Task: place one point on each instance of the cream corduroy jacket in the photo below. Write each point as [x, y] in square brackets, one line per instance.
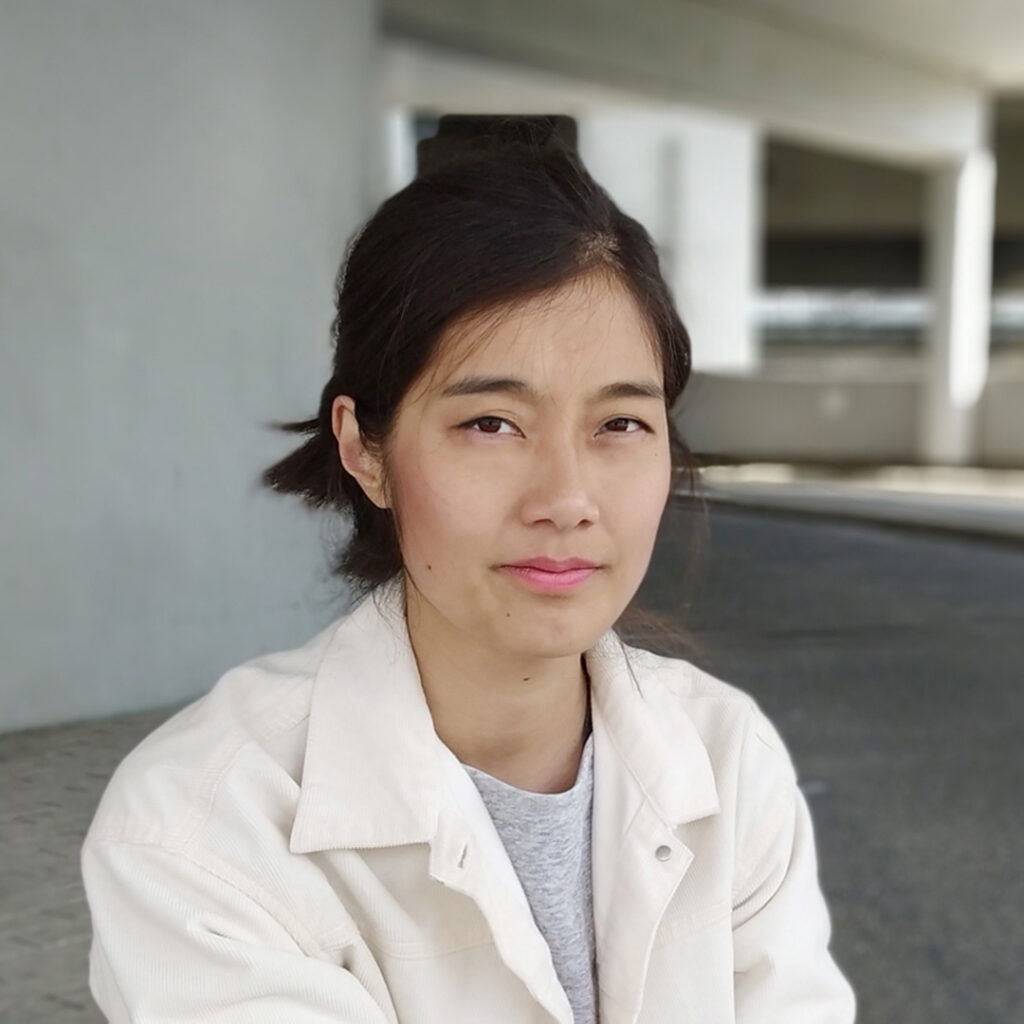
[298, 846]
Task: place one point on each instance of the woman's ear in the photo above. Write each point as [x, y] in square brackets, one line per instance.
[357, 459]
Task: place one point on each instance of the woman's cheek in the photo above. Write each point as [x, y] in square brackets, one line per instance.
[443, 506]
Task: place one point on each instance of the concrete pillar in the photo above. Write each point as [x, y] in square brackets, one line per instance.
[961, 198]
[399, 150]
[179, 180]
[691, 179]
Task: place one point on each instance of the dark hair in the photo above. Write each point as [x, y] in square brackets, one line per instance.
[466, 237]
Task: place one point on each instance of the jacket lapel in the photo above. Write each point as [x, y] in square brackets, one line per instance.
[371, 775]
[652, 773]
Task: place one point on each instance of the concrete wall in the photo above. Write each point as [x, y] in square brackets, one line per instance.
[847, 417]
[177, 184]
[1008, 144]
[801, 418]
[1001, 420]
[815, 192]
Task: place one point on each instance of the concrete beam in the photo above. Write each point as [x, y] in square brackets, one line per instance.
[806, 84]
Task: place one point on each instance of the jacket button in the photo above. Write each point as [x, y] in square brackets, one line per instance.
[663, 852]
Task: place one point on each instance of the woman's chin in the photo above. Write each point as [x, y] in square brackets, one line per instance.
[549, 635]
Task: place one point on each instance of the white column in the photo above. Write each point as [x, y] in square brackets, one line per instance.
[399, 150]
[961, 199]
[691, 179]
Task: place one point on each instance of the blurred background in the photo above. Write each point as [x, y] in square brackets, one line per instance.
[835, 191]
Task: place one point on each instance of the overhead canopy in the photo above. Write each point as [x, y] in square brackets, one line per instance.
[797, 74]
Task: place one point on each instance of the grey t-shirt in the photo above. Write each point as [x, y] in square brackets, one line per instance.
[547, 836]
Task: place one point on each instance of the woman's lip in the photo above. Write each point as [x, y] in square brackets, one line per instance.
[547, 581]
[553, 564]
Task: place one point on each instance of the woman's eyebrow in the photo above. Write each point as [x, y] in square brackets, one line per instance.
[511, 385]
[489, 386]
[631, 389]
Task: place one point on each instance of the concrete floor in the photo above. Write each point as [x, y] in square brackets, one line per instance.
[52, 780]
[891, 663]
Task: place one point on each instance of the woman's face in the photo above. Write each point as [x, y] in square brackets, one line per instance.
[529, 470]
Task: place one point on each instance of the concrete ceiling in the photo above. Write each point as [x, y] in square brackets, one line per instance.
[982, 40]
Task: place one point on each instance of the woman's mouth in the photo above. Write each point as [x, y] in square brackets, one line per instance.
[549, 575]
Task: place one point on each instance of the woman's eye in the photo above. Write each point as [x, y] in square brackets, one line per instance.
[625, 425]
[489, 425]
[499, 425]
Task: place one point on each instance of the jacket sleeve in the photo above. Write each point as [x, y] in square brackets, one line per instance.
[784, 972]
[173, 943]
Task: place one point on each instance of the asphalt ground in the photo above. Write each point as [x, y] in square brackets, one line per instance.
[889, 659]
[892, 662]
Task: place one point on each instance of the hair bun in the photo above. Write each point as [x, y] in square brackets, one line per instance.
[465, 136]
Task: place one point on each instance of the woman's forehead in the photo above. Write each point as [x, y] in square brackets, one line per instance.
[588, 328]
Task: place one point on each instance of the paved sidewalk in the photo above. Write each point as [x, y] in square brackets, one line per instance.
[52, 780]
[972, 501]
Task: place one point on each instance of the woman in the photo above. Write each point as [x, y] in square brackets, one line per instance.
[467, 800]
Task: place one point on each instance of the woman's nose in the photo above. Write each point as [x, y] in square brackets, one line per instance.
[558, 490]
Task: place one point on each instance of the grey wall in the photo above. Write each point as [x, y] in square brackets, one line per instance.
[177, 184]
[801, 415]
[814, 192]
[1001, 424]
[835, 221]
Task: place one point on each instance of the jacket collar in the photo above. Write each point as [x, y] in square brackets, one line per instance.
[373, 770]
[656, 740]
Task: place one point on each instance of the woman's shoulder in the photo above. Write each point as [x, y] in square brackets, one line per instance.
[682, 679]
[725, 715]
[251, 721]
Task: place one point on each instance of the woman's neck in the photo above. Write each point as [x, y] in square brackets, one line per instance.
[522, 720]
